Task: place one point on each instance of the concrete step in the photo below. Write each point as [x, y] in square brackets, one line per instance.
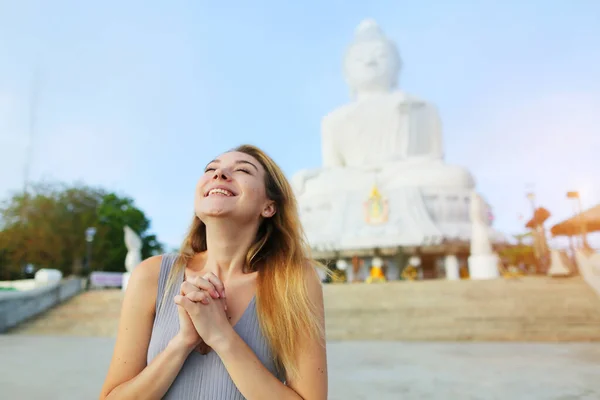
[524, 309]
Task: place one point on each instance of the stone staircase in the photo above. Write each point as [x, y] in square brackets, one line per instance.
[92, 313]
[523, 309]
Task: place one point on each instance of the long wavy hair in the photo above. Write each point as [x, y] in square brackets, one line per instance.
[281, 256]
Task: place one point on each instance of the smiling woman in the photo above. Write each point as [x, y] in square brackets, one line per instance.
[238, 313]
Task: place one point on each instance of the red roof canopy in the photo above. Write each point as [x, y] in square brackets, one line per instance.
[539, 217]
[572, 226]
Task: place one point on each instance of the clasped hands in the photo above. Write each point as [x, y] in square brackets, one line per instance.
[201, 306]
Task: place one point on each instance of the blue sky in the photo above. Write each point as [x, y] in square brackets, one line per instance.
[137, 96]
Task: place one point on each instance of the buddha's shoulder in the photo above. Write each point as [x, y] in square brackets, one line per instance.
[396, 97]
[339, 115]
[343, 115]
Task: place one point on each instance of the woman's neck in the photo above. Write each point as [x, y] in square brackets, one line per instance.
[227, 245]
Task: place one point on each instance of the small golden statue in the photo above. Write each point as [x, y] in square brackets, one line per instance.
[510, 272]
[376, 273]
[410, 272]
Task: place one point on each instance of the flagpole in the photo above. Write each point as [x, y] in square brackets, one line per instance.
[33, 109]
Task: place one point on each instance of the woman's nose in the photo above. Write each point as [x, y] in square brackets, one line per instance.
[220, 174]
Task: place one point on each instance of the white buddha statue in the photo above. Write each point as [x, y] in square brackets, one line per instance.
[384, 130]
[383, 137]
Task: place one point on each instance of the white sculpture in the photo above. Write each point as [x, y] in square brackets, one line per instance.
[483, 262]
[480, 242]
[342, 265]
[47, 276]
[387, 138]
[134, 249]
[414, 261]
[384, 129]
[559, 264]
[134, 253]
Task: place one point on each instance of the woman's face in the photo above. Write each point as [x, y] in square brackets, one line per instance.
[233, 185]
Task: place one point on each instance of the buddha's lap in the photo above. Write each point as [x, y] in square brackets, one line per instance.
[393, 176]
[426, 173]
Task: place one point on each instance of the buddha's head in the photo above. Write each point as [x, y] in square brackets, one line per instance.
[372, 62]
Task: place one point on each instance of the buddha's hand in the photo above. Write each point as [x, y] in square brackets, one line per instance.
[299, 179]
[212, 286]
[423, 159]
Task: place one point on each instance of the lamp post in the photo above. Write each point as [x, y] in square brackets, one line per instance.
[531, 198]
[537, 240]
[578, 209]
[539, 232]
[89, 238]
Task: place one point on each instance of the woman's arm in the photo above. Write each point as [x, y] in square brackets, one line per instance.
[254, 381]
[128, 376]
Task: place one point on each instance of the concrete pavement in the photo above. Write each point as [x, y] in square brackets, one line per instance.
[52, 368]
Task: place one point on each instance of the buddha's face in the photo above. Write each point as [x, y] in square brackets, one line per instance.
[371, 66]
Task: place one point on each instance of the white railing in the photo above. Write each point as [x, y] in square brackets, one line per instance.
[588, 263]
[18, 306]
[21, 284]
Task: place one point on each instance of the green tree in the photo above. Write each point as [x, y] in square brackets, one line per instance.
[46, 227]
[8, 270]
[114, 214]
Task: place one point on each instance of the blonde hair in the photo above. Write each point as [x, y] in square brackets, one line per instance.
[281, 256]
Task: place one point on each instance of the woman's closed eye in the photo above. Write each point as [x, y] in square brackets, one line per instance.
[210, 169]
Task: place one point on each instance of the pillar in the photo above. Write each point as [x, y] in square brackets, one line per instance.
[452, 267]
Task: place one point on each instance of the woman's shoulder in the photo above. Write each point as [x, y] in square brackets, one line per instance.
[150, 268]
[147, 272]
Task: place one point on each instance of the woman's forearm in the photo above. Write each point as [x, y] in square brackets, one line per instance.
[248, 373]
[154, 381]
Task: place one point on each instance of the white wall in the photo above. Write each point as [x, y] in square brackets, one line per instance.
[16, 307]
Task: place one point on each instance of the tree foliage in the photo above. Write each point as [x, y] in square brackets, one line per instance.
[520, 253]
[46, 227]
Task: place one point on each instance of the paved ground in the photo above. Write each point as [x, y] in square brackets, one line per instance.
[73, 368]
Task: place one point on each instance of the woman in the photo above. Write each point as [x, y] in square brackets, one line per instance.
[239, 312]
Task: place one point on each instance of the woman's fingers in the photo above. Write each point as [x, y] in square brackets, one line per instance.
[184, 302]
[199, 297]
[219, 286]
[196, 283]
[203, 348]
[216, 282]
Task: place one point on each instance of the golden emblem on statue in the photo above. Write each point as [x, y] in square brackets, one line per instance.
[376, 208]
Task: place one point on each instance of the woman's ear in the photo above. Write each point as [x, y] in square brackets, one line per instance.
[269, 210]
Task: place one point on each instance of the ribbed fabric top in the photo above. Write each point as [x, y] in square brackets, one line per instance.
[202, 377]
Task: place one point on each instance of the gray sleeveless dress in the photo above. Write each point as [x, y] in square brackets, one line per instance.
[202, 376]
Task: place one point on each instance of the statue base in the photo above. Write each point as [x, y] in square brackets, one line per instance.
[558, 264]
[125, 280]
[483, 266]
[452, 268]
